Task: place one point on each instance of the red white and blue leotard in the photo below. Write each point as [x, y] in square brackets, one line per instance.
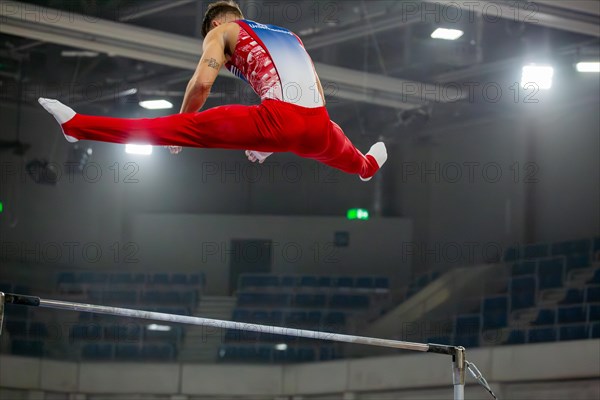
[275, 64]
[290, 118]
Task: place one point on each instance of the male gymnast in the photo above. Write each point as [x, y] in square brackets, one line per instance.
[291, 117]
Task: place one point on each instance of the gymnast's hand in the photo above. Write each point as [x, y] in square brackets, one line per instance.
[255, 156]
[175, 149]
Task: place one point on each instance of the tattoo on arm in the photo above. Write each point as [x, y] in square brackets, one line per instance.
[212, 63]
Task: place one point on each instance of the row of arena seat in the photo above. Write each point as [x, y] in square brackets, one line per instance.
[266, 353]
[300, 282]
[280, 300]
[128, 351]
[525, 335]
[104, 278]
[540, 250]
[143, 296]
[495, 316]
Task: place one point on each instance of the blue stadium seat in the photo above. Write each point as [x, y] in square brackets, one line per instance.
[324, 282]
[93, 278]
[38, 330]
[523, 268]
[573, 296]
[86, 332]
[16, 327]
[345, 282]
[309, 281]
[296, 318]
[28, 348]
[313, 319]
[516, 336]
[97, 351]
[440, 340]
[466, 325]
[260, 317]
[358, 301]
[127, 351]
[573, 332]
[334, 319]
[523, 292]
[594, 312]
[511, 254]
[161, 352]
[365, 282]
[571, 247]
[467, 341]
[288, 281]
[327, 353]
[310, 300]
[578, 261]
[179, 279]
[546, 334]
[545, 316]
[595, 330]
[197, 279]
[595, 280]
[227, 353]
[495, 312]
[306, 354]
[276, 317]
[241, 315]
[122, 278]
[123, 333]
[592, 294]
[572, 314]
[120, 297]
[160, 279]
[66, 277]
[550, 273]
[282, 356]
[382, 283]
[258, 281]
[533, 251]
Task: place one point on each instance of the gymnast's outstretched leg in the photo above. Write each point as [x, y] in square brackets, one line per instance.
[340, 153]
[227, 127]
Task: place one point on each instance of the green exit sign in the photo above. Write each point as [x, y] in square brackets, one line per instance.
[1, 207]
[358, 213]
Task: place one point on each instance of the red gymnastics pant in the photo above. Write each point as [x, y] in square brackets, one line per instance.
[273, 126]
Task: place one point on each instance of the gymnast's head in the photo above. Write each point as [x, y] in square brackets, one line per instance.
[220, 12]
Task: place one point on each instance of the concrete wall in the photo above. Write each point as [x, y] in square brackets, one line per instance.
[300, 244]
[523, 372]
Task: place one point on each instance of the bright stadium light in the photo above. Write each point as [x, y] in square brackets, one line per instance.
[156, 104]
[447, 34]
[586, 66]
[281, 347]
[159, 328]
[140, 149]
[538, 76]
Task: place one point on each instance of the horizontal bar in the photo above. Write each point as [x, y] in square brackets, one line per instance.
[222, 324]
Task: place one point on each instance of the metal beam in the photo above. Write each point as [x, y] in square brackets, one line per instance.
[531, 13]
[359, 29]
[178, 51]
[152, 8]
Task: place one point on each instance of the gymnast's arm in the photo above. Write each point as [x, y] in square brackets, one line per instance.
[213, 57]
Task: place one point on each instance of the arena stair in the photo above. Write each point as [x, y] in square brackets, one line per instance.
[201, 344]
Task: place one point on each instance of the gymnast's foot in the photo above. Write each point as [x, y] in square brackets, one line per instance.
[61, 113]
[379, 153]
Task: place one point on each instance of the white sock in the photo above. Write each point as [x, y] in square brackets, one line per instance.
[60, 112]
[379, 153]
